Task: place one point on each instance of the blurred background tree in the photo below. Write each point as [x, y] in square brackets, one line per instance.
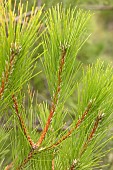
[99, 45]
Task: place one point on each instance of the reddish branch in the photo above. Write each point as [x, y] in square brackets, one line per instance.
[22, 122]
[76, 126]
[53, 163]
[73, 164]
[15, 49]
[52, 111]
[55, 98]
[7, 72]
[8, 167]
[30, 155]
[98, 119]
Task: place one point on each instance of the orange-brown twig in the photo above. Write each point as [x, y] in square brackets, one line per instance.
[8, 68]
[98, 119]
[52, 110]
[32, 144]
[8, 167]
[26, 160]
[30, 155]
[14, 50]
[55, 98]
[76, 126]
[73, 164]
[53, 162]
[53, 165]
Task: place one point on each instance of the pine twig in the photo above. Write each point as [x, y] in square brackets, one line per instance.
[52, 110]
[26, 160]
[32, 144]
[76, 126]
[98, 119]
[53, 163]
[73, 165]
[15, 49]
[8, 167]
[55, 98]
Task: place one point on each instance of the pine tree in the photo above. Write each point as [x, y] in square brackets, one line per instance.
[62, 33]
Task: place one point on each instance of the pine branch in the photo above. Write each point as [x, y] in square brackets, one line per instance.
[8, 167]
[62, 27]
[30, 156]
[52, 110]
[15, 50]
[26, 160]
[94, 129]
[53, 163]
[73, 165]
[55, 97]
[76, 126]
[32, 144]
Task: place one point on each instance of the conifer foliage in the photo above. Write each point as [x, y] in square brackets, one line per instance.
[79, 145]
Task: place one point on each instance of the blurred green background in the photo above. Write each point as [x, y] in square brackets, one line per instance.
[99, 45]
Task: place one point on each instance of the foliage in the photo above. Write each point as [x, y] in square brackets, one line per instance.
[17, 48]
[59, 145]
